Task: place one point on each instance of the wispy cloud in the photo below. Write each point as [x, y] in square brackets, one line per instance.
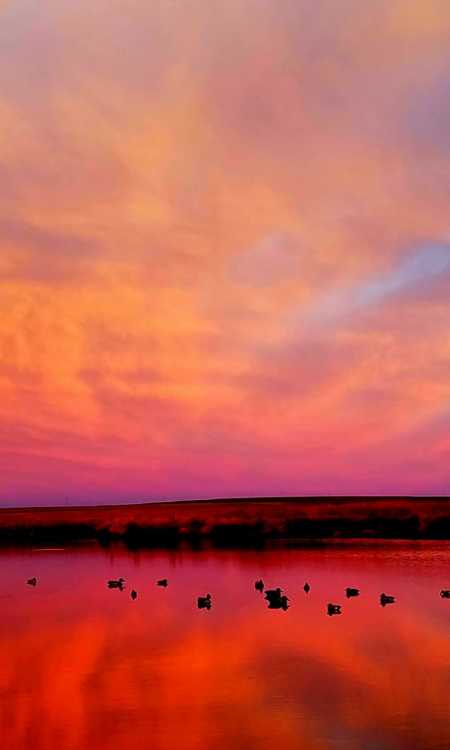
[417, 270]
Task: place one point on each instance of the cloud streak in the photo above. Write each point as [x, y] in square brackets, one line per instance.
[417, 271]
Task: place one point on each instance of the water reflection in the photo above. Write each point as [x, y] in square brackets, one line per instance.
[86, 668]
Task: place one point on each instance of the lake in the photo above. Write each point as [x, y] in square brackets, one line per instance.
[84, 667]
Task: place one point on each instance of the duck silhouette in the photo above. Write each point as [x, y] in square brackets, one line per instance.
[259, 585]
[276, 599]
[306, 588]
[334, 609]
[349, 592]
[445, 593]
[133, 594]
[32, 581]
[162, 582]
[272, 594]
[386, 599]
[116, 583]
[281, 603]
[204, 602]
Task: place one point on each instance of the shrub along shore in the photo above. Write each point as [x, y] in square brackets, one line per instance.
[231, 522]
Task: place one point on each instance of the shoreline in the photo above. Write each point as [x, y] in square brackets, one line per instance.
[232, 522]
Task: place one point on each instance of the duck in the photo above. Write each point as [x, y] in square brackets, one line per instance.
[162, 582]
[133, 594]
[276, 599]
[271, 594]
[281, 603]
[306, 588]
[259, 585]
[349, 592]
[204, 602]
[32, 581]
[334, 609]
[386, 599]
[116, 583]
[445, 593]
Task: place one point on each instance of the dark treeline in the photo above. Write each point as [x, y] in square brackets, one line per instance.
[253, 534]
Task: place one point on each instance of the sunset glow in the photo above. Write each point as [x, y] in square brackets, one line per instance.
[224, 250]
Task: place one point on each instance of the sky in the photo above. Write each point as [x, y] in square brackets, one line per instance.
[224, 249]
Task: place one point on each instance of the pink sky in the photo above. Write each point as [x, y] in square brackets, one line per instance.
[224, 248]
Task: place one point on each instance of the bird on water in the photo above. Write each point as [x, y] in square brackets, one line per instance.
[259, 585]
[162, 582]
[281, 603]
[133, 594]
[334, 609]
[307, 588]
[272, 594]
[386, 599]
[116, 583]
[276, 599]
[204, 602]
[32, 581]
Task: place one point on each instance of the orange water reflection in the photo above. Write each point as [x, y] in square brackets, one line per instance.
[85, 668]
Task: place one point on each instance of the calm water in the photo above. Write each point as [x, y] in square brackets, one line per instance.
[83, 667]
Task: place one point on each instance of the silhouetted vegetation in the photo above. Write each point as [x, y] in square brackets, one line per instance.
[384, 527]
[232, 523]
[238, 534]
[195, 532]
[56, 533]
[152, 536]
[439, 528]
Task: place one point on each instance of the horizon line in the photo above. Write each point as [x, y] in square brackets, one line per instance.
[234, 498]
